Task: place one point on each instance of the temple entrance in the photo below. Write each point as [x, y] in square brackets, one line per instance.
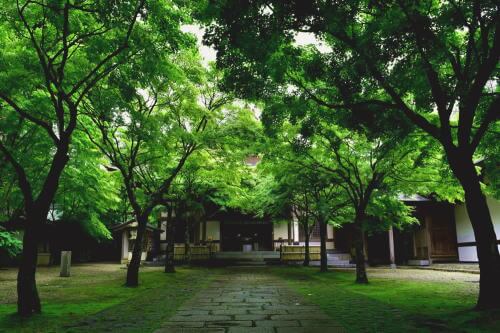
[246, 236]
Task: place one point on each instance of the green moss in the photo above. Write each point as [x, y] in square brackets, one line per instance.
[94, 300]
[392, 304]
[80, 304]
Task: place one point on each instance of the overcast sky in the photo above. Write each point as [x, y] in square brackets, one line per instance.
[208, 54]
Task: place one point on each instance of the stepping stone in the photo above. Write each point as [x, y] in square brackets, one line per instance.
[323, 329]
[251, 330]
[189, 330]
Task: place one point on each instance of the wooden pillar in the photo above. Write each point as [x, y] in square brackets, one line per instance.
[428, 224]
[391, 247]
[334, 233]
[125, 245]
[414, 240]
[289, 233]
[204, 230]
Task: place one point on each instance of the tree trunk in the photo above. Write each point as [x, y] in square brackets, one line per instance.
[169, 257]
[359, 248]
[324, 255]
[307, 255]
[156, 250]
[133, 267]
[484, 233]
[28, 301]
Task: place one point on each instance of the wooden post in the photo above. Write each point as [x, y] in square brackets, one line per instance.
[204, 231]
[365, 247]
[428, 224]
[391, 247]
[414, 244]
[289, 233]
[65, 263]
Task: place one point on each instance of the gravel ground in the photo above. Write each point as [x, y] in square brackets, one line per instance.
[454, 267]
[418, 274]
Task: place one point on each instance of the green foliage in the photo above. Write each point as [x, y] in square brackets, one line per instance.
[377, 67]
[10, 244]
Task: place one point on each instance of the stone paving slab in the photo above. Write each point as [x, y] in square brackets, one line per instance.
[249, 301]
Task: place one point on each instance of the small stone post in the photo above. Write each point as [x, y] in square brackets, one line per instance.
[391, 247]
[65, 263]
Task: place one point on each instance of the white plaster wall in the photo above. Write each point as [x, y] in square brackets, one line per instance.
[465, 232]
[329, 231]
[280, 230]
[163, 235]
[467, 253]
[329, 245]
[213, 230]
[295, 231]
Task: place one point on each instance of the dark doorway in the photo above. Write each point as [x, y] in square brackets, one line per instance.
[235, 235]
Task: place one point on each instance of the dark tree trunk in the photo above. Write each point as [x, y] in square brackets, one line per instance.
[156, 250]
[28, 301]
[361, 276]
[133, 267]
[307, 255]
[169, 257]
[324, 255]
[484, 233]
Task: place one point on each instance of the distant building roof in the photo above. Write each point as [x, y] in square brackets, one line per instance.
[413, 198]
[252, 160]
[131, 224]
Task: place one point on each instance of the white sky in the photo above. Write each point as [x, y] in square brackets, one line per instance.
[209, 54]
[307, 38]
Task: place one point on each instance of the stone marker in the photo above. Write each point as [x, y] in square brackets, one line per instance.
[65, 263]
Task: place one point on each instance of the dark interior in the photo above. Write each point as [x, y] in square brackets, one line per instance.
[234, 235]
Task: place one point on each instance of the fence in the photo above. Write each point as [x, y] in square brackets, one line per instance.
[298, 253]
[198, 252]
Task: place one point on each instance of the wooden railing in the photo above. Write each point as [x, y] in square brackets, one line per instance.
[298, 253]
[198, 252]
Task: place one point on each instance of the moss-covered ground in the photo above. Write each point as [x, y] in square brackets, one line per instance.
[94, 299]
[406, 300]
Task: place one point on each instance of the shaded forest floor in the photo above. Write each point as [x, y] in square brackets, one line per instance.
[94, 298]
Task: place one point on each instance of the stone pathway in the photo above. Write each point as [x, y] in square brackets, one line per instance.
[242, 301]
